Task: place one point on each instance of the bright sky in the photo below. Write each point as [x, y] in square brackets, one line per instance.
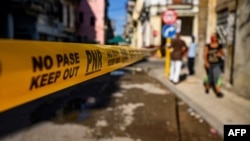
[117, 13]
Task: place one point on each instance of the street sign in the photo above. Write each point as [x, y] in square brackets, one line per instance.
[168, 31]
[169, 17]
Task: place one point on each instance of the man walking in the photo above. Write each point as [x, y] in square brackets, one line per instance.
[178, 49]
[191, 56]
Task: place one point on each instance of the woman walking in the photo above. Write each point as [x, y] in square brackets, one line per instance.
[213, 54]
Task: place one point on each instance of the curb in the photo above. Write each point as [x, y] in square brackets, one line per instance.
[212, 120]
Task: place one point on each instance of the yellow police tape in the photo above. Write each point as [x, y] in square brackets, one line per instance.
[33, 69]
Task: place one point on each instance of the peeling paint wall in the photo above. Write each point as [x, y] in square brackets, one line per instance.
[211, 22]
[242, 50]
[201, 40]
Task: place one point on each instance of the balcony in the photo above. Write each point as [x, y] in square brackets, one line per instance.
[182, 4]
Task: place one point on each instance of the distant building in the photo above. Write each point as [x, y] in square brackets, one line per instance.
[93, 22]
[109, 25]
[52, 20]
[110, 30]
[144, 21]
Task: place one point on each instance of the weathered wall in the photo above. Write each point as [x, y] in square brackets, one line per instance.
[139, 34]
[242, 50]
[212, 19]
[201, 40]
[94, 9]
[156, 26]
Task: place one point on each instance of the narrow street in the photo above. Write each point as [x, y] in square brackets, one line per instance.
[124, 70]
[126, 105]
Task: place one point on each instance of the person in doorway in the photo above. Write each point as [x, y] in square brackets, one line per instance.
[213, 52]
[191, 56]
[178, 49]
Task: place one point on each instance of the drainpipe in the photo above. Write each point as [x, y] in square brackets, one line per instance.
[234, 44]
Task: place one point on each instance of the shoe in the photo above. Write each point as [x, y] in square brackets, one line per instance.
[175, 83]
[190, 74]
[204, 83]
[207, 91]
[219, 94]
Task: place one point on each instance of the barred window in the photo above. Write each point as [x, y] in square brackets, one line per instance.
[186, 25]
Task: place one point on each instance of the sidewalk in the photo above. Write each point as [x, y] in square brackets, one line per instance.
[231, 109]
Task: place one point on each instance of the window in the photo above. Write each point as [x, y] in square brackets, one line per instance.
[81, 17]
[92, 21]
[186, 26]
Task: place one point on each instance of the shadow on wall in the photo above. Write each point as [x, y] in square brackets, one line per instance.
[86, 23]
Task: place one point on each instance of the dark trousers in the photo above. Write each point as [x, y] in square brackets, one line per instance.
[191, 65]
[213, 74]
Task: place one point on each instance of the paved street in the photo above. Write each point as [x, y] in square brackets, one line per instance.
[128, 105]
[99, 70]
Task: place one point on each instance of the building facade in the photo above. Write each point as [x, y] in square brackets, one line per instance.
[229, 18]
[92, 21]
[233, 26]
[144, 26]
[51, 20]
